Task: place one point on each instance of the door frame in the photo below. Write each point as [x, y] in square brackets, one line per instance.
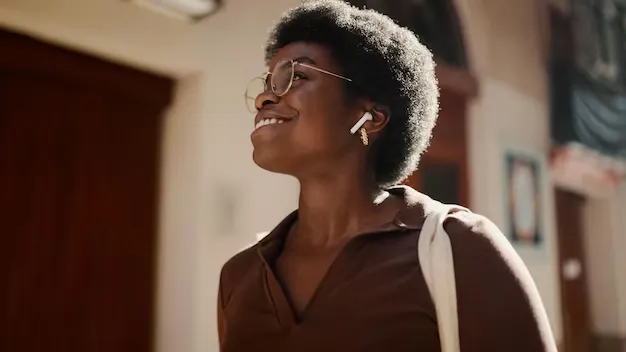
[579, 294]
[152, 90]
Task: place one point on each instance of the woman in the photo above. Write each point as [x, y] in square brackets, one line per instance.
[348, 108]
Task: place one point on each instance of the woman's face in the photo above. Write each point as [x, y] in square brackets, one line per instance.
[314, 137]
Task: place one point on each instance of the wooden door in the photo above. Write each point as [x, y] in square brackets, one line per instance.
[442, 173]
[79, 142]
[573, 277]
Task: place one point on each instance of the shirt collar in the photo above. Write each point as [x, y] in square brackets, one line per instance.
[417, 205]
[410, 217]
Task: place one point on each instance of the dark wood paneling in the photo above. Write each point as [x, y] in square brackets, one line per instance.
[79, 155]
[574, 294]
[67, 66]
[448, 146]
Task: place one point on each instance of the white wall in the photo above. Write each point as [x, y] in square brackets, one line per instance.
[506, 47]
[231, 197]
[507, 43]
[500, 119]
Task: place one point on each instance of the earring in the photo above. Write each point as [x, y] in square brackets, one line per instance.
[364, 137]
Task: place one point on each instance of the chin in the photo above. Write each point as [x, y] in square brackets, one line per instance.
[272, 162]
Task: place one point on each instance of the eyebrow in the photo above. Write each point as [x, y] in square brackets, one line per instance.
[305, 59]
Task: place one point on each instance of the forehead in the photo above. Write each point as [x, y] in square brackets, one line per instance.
[319, 55]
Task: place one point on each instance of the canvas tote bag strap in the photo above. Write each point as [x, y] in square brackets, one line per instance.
[435, 256]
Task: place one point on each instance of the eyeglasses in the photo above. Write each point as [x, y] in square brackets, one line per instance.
[281, 80]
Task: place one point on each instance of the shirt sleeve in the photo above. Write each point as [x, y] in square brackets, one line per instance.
[498, 303]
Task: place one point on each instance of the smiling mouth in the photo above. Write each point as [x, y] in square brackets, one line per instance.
[267, 122]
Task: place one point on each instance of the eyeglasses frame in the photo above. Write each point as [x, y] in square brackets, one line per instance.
[264, 76]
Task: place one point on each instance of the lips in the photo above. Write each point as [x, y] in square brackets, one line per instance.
[268, 118]
[266, 122]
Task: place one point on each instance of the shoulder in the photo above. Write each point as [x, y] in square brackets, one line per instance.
[494, 284]
[248, 262]
[236, 269]
[240, 263]
[477, 230]
[478, 245]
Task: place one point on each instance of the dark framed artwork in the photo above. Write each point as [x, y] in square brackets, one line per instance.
[523, 198]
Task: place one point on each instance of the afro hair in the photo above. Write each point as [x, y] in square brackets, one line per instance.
[387, 64]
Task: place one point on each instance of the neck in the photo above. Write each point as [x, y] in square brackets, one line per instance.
[333, 210]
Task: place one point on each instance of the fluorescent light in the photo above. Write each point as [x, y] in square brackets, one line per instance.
[190, 10]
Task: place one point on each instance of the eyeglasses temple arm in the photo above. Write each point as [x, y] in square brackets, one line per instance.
[324, 71]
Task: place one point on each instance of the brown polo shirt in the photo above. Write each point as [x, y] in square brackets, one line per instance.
[374, 297]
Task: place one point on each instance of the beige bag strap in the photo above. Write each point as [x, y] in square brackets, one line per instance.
[435, 256]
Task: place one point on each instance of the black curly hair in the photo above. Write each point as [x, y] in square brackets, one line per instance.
[387, 64]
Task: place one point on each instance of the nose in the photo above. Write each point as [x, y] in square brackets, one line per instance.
[267, 97]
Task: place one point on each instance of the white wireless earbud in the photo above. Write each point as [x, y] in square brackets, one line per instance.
[366, 117]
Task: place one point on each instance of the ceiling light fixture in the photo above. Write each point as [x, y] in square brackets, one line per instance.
[187, 10]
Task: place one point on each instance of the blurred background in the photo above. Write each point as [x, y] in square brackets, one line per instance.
[126, 177]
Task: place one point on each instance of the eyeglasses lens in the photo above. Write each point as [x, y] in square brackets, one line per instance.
[281, 77]
[280, 81]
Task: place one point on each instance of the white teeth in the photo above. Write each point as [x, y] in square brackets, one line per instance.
[266, 122]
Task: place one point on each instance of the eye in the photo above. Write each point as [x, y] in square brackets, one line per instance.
[266, 80]
[298, 76]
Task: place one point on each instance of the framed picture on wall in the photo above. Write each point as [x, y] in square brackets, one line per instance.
[523, 198]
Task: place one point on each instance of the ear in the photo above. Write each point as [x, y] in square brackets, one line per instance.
[380, 118]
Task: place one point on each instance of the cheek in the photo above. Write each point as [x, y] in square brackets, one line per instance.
[322, 113]
[320, 131]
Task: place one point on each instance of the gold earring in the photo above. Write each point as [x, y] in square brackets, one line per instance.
[364, 137]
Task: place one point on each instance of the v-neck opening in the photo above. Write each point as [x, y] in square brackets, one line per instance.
[272, 246]
[327, 278]
[287, 313]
